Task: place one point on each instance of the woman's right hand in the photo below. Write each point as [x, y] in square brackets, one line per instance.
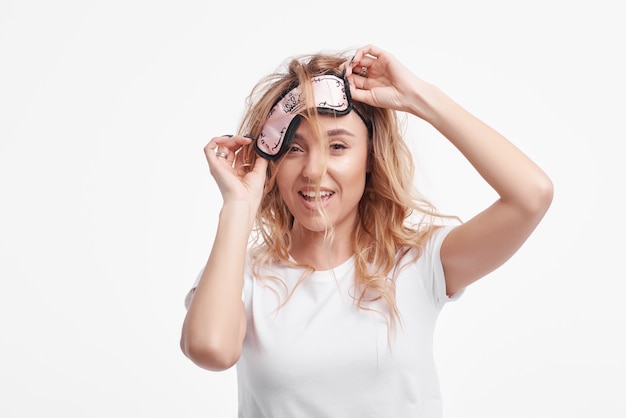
[236, 179]
[215, 325]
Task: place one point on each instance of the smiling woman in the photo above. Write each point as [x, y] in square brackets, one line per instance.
[322, 185]
[330, 311]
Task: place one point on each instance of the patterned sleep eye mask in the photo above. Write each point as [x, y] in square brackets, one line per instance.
[332, 96]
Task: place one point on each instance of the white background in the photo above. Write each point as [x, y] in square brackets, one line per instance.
[107, 208]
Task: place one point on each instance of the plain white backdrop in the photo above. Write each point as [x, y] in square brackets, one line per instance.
[107, 208]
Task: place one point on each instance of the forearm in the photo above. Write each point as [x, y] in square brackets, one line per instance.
[214, 327]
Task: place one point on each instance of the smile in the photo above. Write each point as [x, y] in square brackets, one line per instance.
[312, 196]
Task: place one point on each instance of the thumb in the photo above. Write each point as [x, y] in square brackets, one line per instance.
[359, 92]
[260, 166]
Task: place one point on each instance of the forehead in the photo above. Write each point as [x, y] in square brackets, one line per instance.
[349, 125]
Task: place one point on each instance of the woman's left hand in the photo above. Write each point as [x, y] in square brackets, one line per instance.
[379, 79]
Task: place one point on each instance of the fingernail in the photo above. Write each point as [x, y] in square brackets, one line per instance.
[228, 136]
[250, 137]
[351, 61]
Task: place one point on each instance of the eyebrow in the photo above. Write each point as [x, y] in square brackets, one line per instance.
[330, 133]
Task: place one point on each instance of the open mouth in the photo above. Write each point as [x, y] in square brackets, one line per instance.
[314, 196]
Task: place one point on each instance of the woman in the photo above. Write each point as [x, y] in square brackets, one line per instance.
[330, 309]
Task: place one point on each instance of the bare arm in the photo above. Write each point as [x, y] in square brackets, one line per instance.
[487, 240]
[215, 324]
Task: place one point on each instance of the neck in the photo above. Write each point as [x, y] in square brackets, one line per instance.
[317, 250]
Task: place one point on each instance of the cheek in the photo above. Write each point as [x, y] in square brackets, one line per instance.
[284, 183]
[281, 177]
[354, 169]
[281, 186]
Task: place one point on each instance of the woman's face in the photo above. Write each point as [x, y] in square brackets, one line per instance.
[341, 185]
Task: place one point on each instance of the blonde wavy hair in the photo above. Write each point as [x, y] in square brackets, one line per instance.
[393, 217]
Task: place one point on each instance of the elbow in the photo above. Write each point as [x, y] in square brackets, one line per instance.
[539, 198]
[545, 194]
[210, 355]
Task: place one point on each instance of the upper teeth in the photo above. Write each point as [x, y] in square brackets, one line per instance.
[314, 194]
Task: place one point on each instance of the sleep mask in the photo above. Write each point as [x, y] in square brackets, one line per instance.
[331, 96]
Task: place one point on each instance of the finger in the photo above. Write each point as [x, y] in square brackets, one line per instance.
[260, 166]
[349, 65]
[363, 67]
[370, 50]
[242, 165]
[224, 153]
[226, 144]
[346, 67]
[232, 142]
[211, 146]
[359, 81]
[360, 93]
[217, 153]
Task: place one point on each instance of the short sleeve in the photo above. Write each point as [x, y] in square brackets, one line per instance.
[189, 295]
[434, 274]
[191, 291]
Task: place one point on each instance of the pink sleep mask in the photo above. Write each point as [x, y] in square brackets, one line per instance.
[332, 96]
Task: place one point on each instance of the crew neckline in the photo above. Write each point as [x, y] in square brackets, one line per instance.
[337, 271]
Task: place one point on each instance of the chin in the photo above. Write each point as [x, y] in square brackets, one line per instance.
[315, 225]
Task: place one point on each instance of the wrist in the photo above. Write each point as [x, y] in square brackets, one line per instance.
[241, 212]
[424, 98]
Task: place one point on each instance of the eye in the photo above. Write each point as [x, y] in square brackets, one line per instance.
[337, 146]
[294, 148]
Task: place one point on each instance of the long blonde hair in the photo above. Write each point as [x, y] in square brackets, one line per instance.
[393, 217]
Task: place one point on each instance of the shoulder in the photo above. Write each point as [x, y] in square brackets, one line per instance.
[429, 246]
[423, 265]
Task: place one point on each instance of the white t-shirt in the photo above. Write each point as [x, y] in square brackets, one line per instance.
[320, 355]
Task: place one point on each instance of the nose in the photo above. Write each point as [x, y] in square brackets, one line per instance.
[314, 165]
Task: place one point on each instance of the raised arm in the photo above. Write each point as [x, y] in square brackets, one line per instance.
[486, 241]
[215, 324]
